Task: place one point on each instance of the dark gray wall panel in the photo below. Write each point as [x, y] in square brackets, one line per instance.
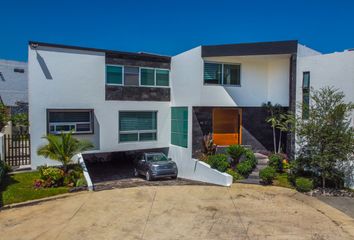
[131, 93]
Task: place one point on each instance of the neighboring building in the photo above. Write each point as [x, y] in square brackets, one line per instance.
[14, 86]
[136, 101]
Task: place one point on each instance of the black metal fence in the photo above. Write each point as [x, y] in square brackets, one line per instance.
[17, 150]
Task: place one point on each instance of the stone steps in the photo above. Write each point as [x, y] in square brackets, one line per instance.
[253, 178]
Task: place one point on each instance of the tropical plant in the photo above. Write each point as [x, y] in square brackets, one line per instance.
[284, 123]
[235, 152]
[325, 139]
[63, 148]
[209, 146]
[273, 111]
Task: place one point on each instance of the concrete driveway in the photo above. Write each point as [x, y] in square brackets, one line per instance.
[179, 212]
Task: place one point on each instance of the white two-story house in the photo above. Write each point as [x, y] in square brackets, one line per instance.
[126, 102]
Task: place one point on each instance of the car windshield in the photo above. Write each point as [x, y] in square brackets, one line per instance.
[157, 157]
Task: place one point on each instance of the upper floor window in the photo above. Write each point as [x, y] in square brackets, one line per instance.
[114, 74]
[77, 121]
[137, 76]
[222, 74]
[154, 77]
[305, 95]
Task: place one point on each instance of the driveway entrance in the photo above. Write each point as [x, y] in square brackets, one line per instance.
[180, 212]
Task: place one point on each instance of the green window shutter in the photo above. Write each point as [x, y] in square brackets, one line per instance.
[212, 73]
[114, 75]
[232, 74]
[147, 77]
[162, 77]
[179, 126]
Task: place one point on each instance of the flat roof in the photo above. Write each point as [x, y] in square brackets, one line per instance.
[244, 49]
[109, 53]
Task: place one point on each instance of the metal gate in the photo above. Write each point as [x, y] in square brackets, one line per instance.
[17, 150]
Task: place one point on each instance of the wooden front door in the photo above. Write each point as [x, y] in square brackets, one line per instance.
[227, 124]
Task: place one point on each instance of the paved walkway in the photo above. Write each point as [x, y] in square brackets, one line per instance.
[253, 178]
[179, 212]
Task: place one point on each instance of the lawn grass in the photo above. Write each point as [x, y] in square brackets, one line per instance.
[19, 188]
[282, 180]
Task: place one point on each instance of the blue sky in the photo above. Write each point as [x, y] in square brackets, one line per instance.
[170, 27]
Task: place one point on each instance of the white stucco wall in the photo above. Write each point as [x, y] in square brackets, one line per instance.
[335, 69]
[263, 79]
[78, 81]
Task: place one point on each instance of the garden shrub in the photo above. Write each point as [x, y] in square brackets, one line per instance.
[244, 168]
[304, 184]
[249, 155]
[219, 162]
[52, 176]
[4, 168]
[235, 175]
[235, 152]
[267, 175]
[276, 162]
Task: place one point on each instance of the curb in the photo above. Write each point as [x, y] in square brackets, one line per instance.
[38, 201]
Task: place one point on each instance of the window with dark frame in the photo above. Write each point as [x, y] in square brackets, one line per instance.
[137, 126]
[305, 95]
[222, 74]
[114, 75]
[77, 121]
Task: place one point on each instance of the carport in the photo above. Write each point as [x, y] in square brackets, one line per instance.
[116, 170]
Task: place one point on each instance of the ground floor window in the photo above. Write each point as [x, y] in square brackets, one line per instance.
[77, 121]
[137, 126]
[179, 126]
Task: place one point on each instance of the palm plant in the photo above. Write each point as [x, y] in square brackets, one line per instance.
[284, 123]
[63, 148]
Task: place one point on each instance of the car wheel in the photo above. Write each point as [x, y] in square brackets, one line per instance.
[136, 173]
[174, 177]
[148, 176]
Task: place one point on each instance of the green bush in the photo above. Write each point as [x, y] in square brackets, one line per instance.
[303, 184]
[219, 162]
[276, 162]
[235, 152]
[249, 155]
[267, 175]
[244, 168]
[235, 175]
[52, 176]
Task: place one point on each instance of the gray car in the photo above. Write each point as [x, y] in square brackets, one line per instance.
[155, 165]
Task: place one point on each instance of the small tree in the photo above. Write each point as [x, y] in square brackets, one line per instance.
[4, 115]
[273, 111]
[284, 123]
[63, 148]
[20, 120]
[325, 139]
